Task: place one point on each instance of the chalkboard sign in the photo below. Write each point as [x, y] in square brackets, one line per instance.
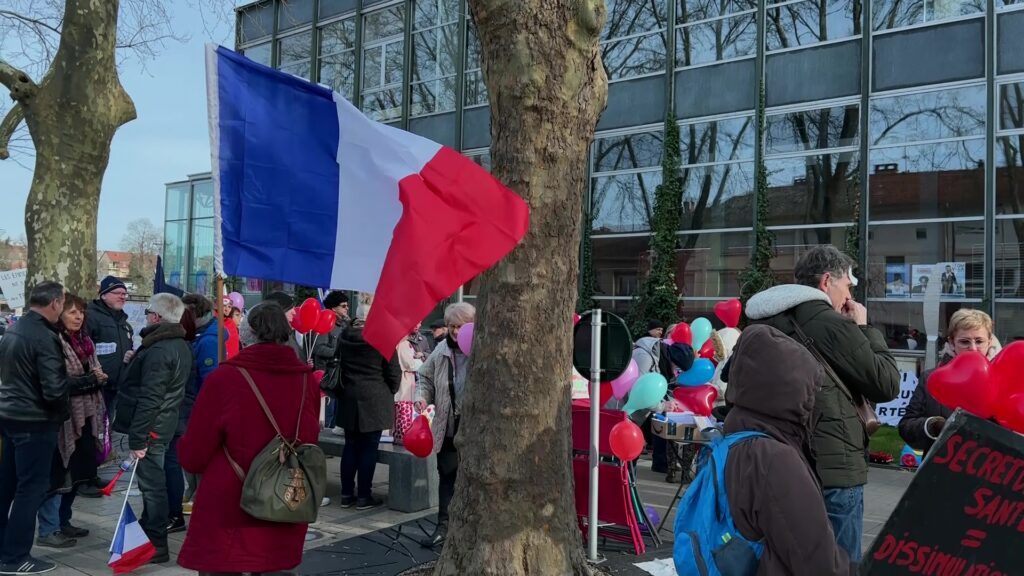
[963, 513]
[616, 346]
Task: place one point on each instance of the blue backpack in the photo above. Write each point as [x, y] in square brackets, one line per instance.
[707, 542]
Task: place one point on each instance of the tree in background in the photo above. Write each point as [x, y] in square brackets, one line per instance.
[588, 280]
[659, 294]
[758, 276]
[513, 512]
[58, 61]
[144, 242]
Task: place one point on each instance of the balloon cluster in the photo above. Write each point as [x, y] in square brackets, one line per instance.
[311, 317]
[986, 389]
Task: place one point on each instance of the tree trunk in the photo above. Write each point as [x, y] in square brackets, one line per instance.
[513, 512]
[72, 116]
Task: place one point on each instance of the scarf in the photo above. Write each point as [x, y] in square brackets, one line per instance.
[86, 408]
[81, 344]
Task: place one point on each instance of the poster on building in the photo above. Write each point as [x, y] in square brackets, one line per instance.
[954, 276]
[962, 512]
[920, 276]
[12, 284]
[890, 413]
[136, 312]
[897, 281]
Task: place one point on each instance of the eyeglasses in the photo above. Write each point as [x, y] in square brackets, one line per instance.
[119, 293]
[966, 343]
[148, 312]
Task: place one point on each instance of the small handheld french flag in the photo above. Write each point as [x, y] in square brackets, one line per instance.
[130, 548]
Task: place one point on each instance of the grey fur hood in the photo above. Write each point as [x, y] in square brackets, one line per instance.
[778, 299]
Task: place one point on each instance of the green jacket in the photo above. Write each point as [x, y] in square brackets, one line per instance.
[153, 386]
[858, 355]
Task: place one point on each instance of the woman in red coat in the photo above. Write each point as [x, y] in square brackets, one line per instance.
[221, 537]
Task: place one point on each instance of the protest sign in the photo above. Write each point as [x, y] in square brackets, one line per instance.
[963, 512]
[136, 312]
[12, 284]
[892, 412]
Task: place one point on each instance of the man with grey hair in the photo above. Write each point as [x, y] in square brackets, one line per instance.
[820, 312]
[442, 382]
[149, 398]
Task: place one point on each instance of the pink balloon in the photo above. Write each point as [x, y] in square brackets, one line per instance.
[237, 300]
[624, 383]
[465, 338]
[575, 319]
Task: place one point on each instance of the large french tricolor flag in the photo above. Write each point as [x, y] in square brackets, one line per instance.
[130, 548]
[309, 190]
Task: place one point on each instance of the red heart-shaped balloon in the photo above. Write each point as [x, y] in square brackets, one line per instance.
[966, 383]
[682, 334]
[697, 399]
[729, 312]
[418, 439]
[1010, 412]
[1008, 371]
[708, 351]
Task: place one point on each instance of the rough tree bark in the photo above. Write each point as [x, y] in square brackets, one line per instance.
[513, 512]
[72, 115]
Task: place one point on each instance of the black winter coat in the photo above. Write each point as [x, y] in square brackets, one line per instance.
[367, 403]
[111, 333]
[33, 378]
[153, 386]
[922, 407]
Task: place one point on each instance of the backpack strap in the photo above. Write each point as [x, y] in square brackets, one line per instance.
[719, 455]
[266, 410]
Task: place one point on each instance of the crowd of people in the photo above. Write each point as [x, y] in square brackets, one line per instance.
[77, 394]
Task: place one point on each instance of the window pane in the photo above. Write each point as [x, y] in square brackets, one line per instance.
[722, 39]
[718, 196]
[295, 49]
[372, 63]
[472, 47]
[717, 141]
[1011, 106]
[918, 250]
[820, 189]
[624, 203]
[337, 37]
[1009, 321]
[295, 13]
[694, 10]
[902, 323]
[202, 199]
[300, 69]
[628, 17]
[928, 116]
[891, 14]
[383, 23]
[339, 72]
[634, 56]
[1009, 258]
[175, 246]
[790, 246]
[256, 21]
[928, 181]
[476, 89]
[260, 53]
[708, 265]
[641, 150]
[434, 53]
[619, 264]
[1010, 175]
[433, 96]
[811, 22]
[394, 59]
[201, 272]
[177, 202]
[383, 105]
[429, 13]
[812, 129]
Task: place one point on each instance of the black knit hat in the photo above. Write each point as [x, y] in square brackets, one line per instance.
[111, 283]
[335, 299]
[283, 299]
[654, 325]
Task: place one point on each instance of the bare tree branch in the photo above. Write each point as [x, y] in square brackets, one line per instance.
[31, 22]
[17, 81]
[14, 117]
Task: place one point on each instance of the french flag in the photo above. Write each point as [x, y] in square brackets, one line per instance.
[308, 190]
[131, 547]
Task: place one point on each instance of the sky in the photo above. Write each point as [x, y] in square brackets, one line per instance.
[168, 141]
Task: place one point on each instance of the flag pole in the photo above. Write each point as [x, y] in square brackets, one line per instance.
[218, 308]
[124, 504]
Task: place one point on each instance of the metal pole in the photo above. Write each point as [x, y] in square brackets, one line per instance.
[595, 427]
[218, 311]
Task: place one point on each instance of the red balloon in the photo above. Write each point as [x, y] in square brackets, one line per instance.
[708, 351]
[697, 399]
[297, 324]
[681, 334]
[606, 393]
[318, 375]
[966, 383]
[310, 312]
[626, 440]
[575, 319]
[1010, 412]
[729, 312]
[1008, 370]
[418, 439]
[325, 322]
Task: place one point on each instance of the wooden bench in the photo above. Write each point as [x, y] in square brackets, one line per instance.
[412, 481]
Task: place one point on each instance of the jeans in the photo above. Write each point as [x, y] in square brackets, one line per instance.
[330, 413]
[24, 480]
[447, 472]
[359, 457]
[153, 485]
[175, 479]
[55, 512]
[845, 507]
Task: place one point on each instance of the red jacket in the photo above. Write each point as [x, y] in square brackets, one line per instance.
[221, 537]
[233, 345]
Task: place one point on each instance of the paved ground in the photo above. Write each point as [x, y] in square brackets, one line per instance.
[386, 551]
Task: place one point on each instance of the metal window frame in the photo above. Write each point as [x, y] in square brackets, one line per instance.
[679, 28]
[925, 24]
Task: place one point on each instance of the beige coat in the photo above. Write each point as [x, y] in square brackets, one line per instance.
[409, 364]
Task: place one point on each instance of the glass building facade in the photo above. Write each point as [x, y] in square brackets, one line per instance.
[899, 122]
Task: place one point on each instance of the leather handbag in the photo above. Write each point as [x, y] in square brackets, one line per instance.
[865, 410]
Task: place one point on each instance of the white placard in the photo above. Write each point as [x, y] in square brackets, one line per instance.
[892, 412]
[12, 284]
[136, 312]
